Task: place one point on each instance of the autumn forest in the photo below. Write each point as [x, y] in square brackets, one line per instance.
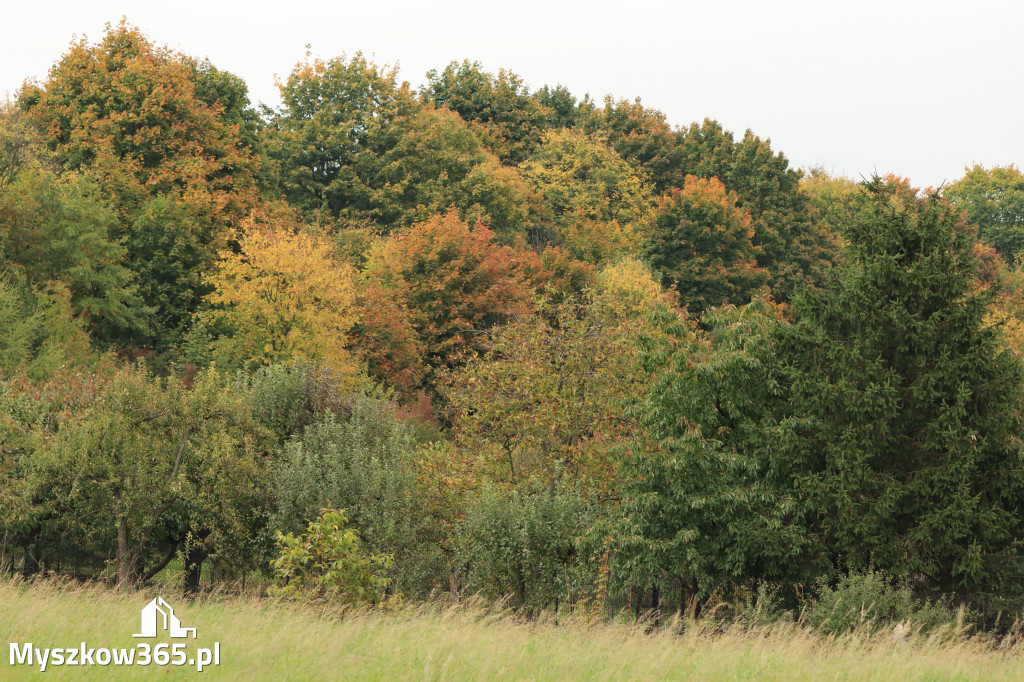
[389, 343]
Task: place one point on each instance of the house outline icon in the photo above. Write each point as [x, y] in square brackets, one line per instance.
[151, 614]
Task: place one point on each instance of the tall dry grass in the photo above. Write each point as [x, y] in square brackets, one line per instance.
[261, 640]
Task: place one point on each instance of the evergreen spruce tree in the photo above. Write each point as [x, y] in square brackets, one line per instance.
[880, 429]
[901, 428]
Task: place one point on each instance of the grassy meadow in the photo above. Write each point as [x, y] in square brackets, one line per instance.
[263, 640]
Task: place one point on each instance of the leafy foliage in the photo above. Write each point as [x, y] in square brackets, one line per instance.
[367, 255]
[871, 599]
[355, 146]
[702, 244]
[128, 114]
[281, 296]
[38, 333]
[789, 245]
[530, 547]
[703, 503]
[336, 119]
[994, 201]
[327, 564]
[499, 105]
[455, 282]
[832, 201]
[361, 461]
[59, 229]
[287, 396]
[642, 136]
[597, 200]
[544, 404]
[903, 423]
[439, 162]
[147, 466]
[385, 338]
[850, 437]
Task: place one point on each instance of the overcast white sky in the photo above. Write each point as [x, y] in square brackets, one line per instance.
[919, 88]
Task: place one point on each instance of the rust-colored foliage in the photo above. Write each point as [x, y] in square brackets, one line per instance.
[147, 124]
[456, 282]
[385, 338]
[566, 275]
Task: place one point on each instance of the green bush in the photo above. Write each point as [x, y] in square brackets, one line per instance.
[528, 547]
[285, 397]
[327, 564]
[873, 600]
[361, 461]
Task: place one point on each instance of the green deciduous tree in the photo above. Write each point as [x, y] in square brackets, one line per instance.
[500, 106]
[360, 460]
[150, 467]
[642, 136]
[145, 122]
[337, 117]
[356, 147]
[701, 242]
[39, 334]
[529, 546]
[438, 161]
[994, 201]
[832, 201]
[61, 230]
[704, 506]
[790, 246]
[880, 429]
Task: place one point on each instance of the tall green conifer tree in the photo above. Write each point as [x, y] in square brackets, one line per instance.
[901, 432]
[879, 429]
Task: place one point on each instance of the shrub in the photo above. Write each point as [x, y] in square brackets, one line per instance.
[527, 546]
[285, 397]
[874, 600]
[327, 563]
[361, 461]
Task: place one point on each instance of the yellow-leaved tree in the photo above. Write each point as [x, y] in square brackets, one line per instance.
[283, 295]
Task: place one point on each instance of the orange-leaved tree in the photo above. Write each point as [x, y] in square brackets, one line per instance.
[384, 337]
[150, 126]
[455, 281]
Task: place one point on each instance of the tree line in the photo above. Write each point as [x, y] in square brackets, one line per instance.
[536, 346]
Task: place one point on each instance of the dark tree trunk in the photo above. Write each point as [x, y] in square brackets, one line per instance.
[194, 555]
[30, 564]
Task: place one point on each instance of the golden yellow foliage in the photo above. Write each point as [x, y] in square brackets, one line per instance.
[631, 288]
[282, 296]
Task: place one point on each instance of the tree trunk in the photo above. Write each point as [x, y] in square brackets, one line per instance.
[194, 554]
[30, 558]
[193, 571]
[125, 558]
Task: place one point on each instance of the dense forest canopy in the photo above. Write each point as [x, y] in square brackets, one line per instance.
[537, 346]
